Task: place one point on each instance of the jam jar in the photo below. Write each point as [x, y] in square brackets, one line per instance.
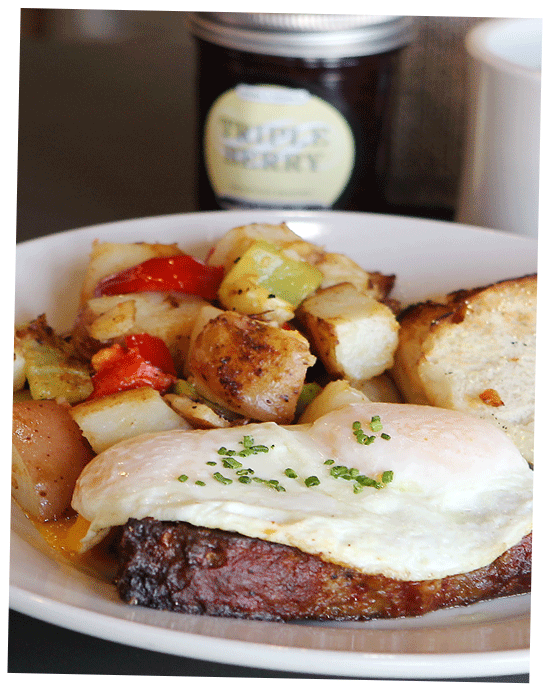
[295, 109]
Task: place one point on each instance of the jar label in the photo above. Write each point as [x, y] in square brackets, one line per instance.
[274, 146]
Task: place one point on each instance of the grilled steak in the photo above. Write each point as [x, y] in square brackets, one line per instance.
[176, 566]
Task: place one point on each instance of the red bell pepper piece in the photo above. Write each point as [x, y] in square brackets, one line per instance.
[181, 273]
[144, 361]
[152, 349]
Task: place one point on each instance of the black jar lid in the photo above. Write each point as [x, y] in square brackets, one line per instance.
[322, 36]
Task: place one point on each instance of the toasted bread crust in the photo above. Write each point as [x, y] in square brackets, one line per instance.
[178, 567]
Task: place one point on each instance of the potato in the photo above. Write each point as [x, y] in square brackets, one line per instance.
[19, 368]
[166, 316]
[115, 321]
[49, 452]
[199, 415]
[109, 258]
[108, 420]
[353, 334]
[338, 268]
[334, 395]
[250, 367]
[380, 389]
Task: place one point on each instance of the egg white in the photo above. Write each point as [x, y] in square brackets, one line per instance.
[461, 492]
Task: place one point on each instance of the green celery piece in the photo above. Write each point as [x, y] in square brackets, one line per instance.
[184, 388]
[309, 391]
[287, 278]
[51, 374]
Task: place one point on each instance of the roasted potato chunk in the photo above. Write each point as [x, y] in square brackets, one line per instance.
[250, 367]
[334, 395]
[108, 420]
[19, 367]
[379, 389]
[49, 452]
[199, 415]
[353, 334]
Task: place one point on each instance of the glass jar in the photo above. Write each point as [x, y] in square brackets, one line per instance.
[295, 109]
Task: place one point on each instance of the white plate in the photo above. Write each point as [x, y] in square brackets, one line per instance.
[428, 257]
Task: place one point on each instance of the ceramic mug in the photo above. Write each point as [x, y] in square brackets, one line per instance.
[499, 184]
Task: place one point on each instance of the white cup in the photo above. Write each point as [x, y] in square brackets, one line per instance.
[499, 183]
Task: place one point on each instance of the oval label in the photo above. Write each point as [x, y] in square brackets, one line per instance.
[274, 146]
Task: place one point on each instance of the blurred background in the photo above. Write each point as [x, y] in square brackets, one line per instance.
[107, 119]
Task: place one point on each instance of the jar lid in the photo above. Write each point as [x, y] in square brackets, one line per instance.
[303, 35]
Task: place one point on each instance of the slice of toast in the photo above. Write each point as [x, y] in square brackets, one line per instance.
[474, 352]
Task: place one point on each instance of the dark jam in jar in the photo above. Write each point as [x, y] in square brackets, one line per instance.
[294, 131]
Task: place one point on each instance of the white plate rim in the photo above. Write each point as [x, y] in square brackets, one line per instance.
[402, 663]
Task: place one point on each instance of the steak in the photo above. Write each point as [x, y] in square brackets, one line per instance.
[175, 566]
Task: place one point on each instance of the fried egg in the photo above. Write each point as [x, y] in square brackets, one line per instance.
[410, 492]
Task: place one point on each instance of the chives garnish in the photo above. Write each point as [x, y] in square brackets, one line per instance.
[210, 462]
[329, 461]
[366, 481]
[375, 426]
[231, 463]
[200, 483]
[220, 478]
[291, 473]
[274, 484]
[245, 479]
[311, 481]
[375, 423]
[361, 437]
[345, 473]
[183, 478]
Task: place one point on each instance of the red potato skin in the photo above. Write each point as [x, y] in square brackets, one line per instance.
[53, 453]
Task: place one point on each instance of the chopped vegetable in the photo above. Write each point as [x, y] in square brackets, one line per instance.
[266, 280]
[153, 350]
[375, 424]
[48, 454]
[144, 361]
[180, 273]
[220, 478]
[361, 437]
[107, 420]
[309, 391]
[49, 365]
[290, 279]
